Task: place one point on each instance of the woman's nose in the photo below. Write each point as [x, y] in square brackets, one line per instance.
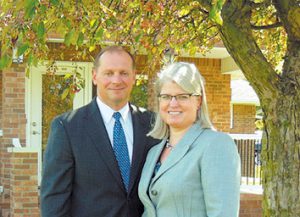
[173, 102]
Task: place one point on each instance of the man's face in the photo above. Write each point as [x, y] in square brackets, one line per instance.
[114, 78]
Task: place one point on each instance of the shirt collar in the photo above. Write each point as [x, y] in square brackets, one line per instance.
[107, 112]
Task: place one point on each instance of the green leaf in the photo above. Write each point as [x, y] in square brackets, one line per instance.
[65, 93]
[215, 15]
[43, 9]
[5, 61]
[54, 2]
[109, 22]
[69, 36]
[29, 8]
[22, 49]
[27, 71]
[215, 11]
[99, 33]
[80, 39]
[138, 37]
[32, 59]
[93, 22]
[41, 30]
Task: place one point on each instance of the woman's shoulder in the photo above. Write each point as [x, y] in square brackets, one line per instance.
[215, 133]
[213, 136]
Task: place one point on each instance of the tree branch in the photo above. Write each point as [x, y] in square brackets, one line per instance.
[271, 26]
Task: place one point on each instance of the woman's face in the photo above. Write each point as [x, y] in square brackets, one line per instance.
[178, 112]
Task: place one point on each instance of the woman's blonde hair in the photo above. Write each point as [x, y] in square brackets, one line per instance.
[188, 77]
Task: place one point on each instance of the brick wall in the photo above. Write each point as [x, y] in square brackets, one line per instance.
[24, 199]
[250, 205]
[218, 91]
[141, 67]
[243, 118]
[1, 100]
[13, 123]
[1, 167]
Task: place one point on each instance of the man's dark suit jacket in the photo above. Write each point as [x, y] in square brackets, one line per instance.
[81, 177]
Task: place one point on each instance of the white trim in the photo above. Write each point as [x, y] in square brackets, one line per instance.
[1, 132]
[33, 100]
[245, 103]
[251, 189]
[256, 136]
[22, 150]
[27, 108]
[231, 116]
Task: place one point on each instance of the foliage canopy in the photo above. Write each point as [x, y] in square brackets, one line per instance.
[150, 26]
[257, 33]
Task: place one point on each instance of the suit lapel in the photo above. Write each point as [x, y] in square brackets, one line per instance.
[95, 128]
[139, 143]
[180, 150]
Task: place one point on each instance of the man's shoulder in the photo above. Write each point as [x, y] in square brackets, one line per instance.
[74, 115]
[142, 113]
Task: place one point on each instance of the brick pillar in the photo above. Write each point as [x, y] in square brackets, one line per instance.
[250, 205]
[13, 123]
[24, 198]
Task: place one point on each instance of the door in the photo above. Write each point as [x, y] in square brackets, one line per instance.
[45, 96]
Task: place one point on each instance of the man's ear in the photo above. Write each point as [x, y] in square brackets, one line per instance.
[94, 76]
[134, 75]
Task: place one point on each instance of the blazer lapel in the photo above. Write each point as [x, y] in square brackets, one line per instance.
[95, 128]
[139, 143]
[180, 150]
[151, 163]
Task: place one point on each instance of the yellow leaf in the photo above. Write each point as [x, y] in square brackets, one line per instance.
[91, 48]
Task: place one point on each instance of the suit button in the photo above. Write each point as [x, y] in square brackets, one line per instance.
[154, 192]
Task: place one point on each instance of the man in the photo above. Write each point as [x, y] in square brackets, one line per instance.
[84, 171]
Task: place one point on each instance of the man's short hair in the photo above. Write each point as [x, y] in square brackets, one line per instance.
[114, 48]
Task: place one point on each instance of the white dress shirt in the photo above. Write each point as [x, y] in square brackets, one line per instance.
[126, 121]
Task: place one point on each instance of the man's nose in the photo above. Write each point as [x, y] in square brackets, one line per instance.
[116, 78]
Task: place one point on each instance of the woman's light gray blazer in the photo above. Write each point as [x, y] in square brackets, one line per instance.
[200, 177]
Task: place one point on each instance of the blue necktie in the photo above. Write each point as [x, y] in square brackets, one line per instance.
[121, 150]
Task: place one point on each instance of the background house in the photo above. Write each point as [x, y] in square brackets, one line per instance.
[27, 107]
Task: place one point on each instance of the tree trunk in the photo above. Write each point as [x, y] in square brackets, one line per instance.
[281, 154]
[280, 101]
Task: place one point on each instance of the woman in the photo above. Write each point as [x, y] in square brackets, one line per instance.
[194, 171]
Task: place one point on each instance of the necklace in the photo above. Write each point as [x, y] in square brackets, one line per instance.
[168, 145]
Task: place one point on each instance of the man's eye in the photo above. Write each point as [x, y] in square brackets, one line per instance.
[124, 73]
[108, 74]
